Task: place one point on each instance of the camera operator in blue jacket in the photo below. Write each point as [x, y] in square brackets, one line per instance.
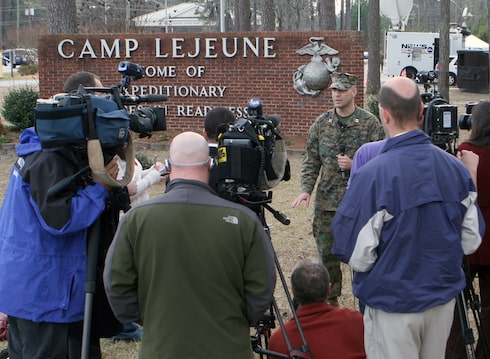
[43, 244]
[43, 250]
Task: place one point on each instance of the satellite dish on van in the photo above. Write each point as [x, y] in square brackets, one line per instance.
[397, 11]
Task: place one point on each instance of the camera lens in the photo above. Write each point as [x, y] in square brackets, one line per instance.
[465, 122]
[145, 120]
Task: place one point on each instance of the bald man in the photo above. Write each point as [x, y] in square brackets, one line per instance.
[196, 270]
[404, 225]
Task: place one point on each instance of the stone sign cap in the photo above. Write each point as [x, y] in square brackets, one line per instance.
[343, 81]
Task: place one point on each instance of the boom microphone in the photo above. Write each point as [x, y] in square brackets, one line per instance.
[132, 100]
[152, 98]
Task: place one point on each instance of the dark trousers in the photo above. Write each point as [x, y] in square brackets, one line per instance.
[31, 340]
[455, 345]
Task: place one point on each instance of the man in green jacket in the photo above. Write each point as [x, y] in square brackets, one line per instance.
[194, 269]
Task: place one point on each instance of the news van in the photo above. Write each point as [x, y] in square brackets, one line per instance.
[413, 52]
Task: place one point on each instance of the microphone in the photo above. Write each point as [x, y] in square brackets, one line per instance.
[132, 100]
[342, 152]
[152, 98]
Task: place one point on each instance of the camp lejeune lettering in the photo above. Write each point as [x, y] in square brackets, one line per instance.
[171, 48]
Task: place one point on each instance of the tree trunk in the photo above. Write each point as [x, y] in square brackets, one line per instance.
[268, 15]
[373, 47]
[326, 15]
[242, 15]
[443, 78]
[62, 17]
[348, 20]
[312, 15]
[342, 14]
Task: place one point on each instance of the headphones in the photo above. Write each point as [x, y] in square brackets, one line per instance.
[168, 164]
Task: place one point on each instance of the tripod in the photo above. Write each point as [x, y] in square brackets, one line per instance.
[466, 331]
[475, 306]
[461, 332]
[265, 325]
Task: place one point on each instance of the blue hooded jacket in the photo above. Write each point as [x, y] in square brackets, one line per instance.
[43, 238]
[405, 223]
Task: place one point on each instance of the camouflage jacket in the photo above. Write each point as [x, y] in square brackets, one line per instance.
[326, 137]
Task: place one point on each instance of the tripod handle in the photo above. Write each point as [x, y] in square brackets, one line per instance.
[281, 217]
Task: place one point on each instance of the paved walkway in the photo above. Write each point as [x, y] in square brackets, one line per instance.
[6, 79]
[19, 81]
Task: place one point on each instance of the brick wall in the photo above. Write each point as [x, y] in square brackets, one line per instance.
[266, 74]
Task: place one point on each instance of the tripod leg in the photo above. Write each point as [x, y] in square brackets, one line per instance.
[90, 284]
[466, 330]
[482, 349]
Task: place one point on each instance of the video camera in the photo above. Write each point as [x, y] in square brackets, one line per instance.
[465, 120]
[441, 123]
[252, 156]
[440, 118]
[427, 78]
[95, 120]
[64, 118]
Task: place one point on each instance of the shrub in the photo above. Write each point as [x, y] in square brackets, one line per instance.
[372, 105]
[27, 69]
[18, 107]
[3, 129]
[144, 160]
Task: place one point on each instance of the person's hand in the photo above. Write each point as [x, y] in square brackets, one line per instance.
[302, 197]
[112, 170]
[344, 162]
[132, 188]
[160, 168]
[470, 160]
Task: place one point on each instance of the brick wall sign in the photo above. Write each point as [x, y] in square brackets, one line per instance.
[287, 71]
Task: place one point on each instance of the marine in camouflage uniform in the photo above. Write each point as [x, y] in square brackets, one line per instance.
[330, 135]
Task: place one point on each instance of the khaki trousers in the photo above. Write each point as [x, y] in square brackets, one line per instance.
[408, 335]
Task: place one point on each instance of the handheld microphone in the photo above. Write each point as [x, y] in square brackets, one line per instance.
[342, 152]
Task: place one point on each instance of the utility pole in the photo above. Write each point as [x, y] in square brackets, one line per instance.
[222, 15]
[2, 18]
[18, 25]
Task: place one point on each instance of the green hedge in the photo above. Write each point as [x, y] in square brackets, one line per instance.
[18, 107]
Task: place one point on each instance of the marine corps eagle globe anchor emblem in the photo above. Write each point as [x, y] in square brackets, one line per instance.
[312, 78]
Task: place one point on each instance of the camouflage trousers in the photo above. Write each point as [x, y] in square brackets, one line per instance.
[322, 221]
